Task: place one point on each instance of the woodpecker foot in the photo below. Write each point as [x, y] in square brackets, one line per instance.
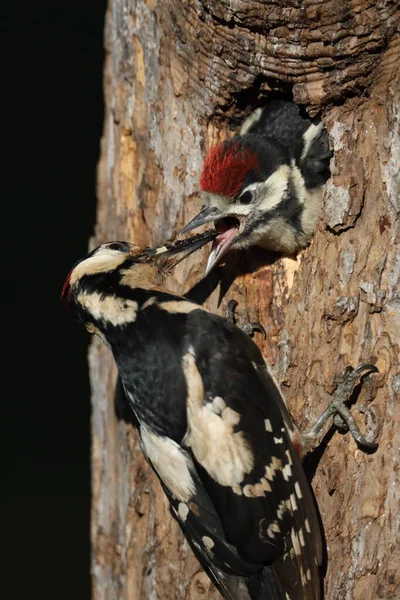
[343, 418]
[249, 328]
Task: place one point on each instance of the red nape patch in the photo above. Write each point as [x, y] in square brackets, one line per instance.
[66, 290]
[225, 168]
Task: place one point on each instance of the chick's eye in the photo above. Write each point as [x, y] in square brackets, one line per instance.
[245, 198]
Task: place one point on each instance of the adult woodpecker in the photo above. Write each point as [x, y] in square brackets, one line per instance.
[264, 186]
[212, 422]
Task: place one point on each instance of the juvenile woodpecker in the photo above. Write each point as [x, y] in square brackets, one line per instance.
[211, 419]
[264, 186]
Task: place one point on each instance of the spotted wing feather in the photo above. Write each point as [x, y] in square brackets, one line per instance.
[219, 442]
[269, 515]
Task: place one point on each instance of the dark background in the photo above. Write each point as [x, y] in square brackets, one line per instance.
[51, 127]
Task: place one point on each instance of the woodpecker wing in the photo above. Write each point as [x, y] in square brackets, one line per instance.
[194, 510]
[216, 431]
[279, 120]
[291, 127]
[239, 434]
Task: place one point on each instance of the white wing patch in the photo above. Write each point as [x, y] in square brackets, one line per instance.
[112, 309]
[183, 511]
[307, 525]
[287, 472]
[208, 542]
[268, 426]
[254, 490]
[172, 465]
[225, 454]
[298, 490]
[273, 528]
[274, 466]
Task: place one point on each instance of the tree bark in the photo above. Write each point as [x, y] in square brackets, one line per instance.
[178, 77]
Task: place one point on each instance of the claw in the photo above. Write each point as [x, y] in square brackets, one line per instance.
[367, 368]
[250, 327]
[370, 418]
[342, 415]
[231, 310]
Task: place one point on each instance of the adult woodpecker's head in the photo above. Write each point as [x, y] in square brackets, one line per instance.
[102, 288]
[264, 187]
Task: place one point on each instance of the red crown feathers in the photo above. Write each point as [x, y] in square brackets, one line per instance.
[225, 168]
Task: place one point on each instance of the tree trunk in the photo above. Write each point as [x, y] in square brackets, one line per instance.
[178, 77]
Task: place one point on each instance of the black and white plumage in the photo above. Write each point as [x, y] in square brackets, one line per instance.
[212, 423]
[264, 186]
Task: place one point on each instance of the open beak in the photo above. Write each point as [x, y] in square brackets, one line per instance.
[207, 214]
[174, 253]
[227, 228]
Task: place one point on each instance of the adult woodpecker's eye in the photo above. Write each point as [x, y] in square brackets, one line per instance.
[245, 198]
[119, 246]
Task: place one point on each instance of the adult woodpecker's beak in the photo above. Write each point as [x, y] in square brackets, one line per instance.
[207, 214]
[174, 253]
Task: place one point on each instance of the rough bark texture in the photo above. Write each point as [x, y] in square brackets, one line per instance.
[179, 76]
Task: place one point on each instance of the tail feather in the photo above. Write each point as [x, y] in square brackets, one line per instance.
[266, 585]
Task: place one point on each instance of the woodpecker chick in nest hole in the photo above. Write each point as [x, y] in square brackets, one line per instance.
[264, 186]
[212, 422]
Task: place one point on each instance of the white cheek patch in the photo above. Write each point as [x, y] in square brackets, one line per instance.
[225, 454]
[271, 192]
[111, 309]
[172, 465]
[104, 261]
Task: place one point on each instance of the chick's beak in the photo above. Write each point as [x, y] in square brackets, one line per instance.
[207, 214]
[227, 230]
[174, 253]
